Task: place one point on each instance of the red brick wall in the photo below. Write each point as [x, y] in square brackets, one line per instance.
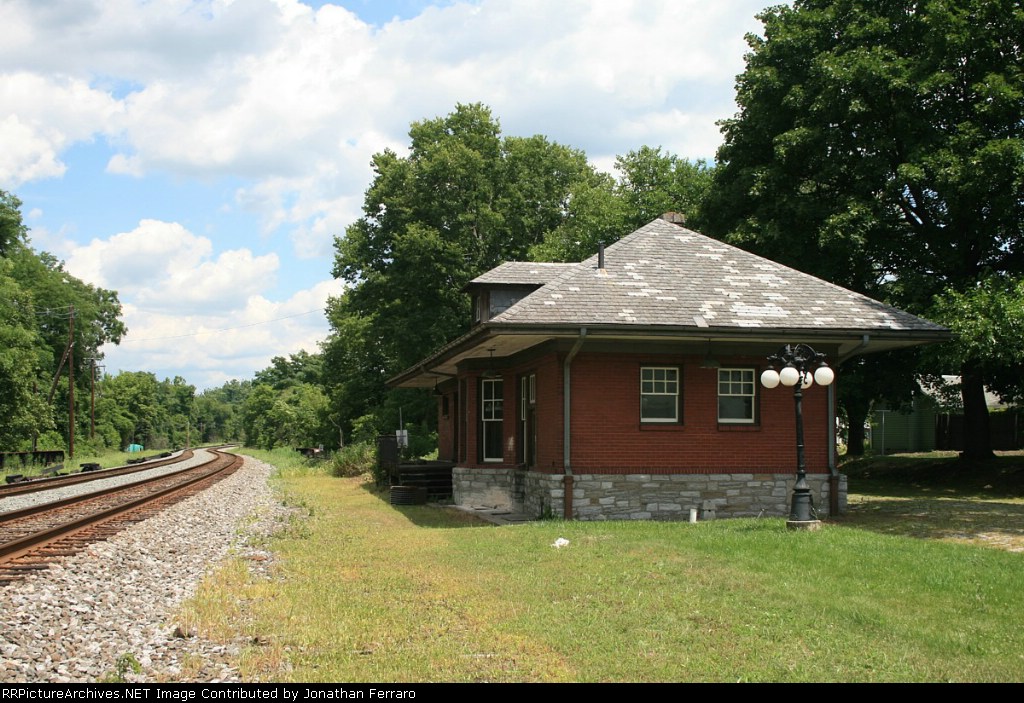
[607, 434]
[549, 409]
[446, 426]
[549, 415]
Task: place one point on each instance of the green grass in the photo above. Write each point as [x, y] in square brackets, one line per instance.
[106, 459]
[364, 591]
[289, 463]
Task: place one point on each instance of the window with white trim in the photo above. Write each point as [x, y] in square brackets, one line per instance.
[492, 416]
[659, 394]
[736, 399]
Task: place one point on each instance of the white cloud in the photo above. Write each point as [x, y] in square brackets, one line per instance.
[274, 91]
[288, 105]
[44, 116]
[193, 312]
[162, 267]
[209, 350]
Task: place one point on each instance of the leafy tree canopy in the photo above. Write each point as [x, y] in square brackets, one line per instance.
[36, 299]
[881, 145]
[465, 199]
[650, 184]
[462, 201]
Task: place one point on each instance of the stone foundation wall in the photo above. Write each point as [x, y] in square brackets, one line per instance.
[639, 496]
[490, 488]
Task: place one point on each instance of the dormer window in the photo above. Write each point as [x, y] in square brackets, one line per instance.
[499, 289]
[491, 301]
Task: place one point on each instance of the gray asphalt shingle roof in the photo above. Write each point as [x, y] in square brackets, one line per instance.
[664, 274]
[522, 273]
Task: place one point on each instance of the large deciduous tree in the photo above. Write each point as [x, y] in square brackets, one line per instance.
[23, 412]
[37, 296]
[463, 200]
[650, 183]
[880, 144]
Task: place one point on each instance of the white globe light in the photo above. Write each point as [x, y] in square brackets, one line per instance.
[808, 381]
[770, 378]
[824, 375]
[789, 376]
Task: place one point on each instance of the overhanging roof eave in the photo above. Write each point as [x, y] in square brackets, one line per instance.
[878, 339]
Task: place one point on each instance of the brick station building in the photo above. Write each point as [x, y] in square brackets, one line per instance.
[627, 386]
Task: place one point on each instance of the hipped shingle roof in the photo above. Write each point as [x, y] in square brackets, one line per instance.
[664, 274]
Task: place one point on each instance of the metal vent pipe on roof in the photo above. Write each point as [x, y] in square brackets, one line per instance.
[600, 256]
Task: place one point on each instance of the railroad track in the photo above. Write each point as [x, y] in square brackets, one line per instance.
[45, 483]
[31, 538]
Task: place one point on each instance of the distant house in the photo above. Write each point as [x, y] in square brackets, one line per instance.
[905, 429]
[627, 386]
[931, 423]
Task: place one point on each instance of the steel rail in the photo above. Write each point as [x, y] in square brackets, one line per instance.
[34, 485]
[222, 464]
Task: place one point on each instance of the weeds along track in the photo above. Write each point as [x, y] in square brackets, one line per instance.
[31, 538]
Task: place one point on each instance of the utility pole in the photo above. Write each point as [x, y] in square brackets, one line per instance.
[71, 382]
[92, 396]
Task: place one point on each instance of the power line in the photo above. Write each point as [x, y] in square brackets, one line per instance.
[224, 329]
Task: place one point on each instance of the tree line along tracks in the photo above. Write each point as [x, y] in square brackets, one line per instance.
[32, 537]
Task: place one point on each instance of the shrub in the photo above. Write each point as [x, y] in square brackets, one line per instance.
[365, 428]
[354, 460]
[422, 443]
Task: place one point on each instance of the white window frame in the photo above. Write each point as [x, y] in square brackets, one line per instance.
[492, 409]
[652, 385]
[747, 378]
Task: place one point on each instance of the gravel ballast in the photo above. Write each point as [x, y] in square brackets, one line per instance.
[26, 500]
[71, 622]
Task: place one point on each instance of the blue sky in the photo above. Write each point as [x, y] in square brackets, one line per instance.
[199, 157]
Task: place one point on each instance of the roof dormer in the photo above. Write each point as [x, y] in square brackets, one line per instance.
[500, 288]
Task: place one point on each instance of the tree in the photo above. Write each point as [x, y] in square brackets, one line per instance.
[301, 367]
[594, 215]
[867, 379]
[55, 292]
[650, 184]
[257, 417]
[62, 305]
[987, 321]
[137, 394]
[880, 145]
[464, 200]
[653, 183]
[12, 230]
[218, 411]
[25, 413]
[40, 298]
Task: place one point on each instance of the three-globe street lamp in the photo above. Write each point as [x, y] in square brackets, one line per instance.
[801, 367]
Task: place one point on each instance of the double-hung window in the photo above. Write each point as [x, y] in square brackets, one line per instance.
[659, 394]
[736, 400]
[492, 416]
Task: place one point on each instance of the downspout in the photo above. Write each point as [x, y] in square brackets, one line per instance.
[833, 469]
[567, 480]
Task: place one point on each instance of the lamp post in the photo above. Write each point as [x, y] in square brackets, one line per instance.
[800, 367]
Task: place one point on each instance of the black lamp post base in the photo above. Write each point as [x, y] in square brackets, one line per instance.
[808, 525]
